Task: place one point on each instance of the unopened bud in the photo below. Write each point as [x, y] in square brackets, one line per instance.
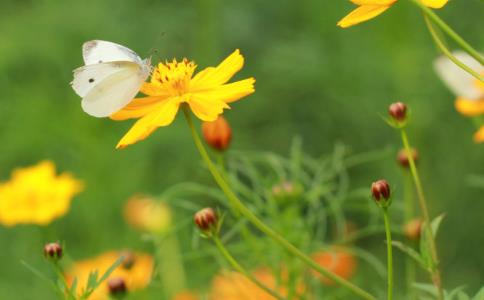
[53, 251]
[128, 259]
[412, 229]
[402, 157]
[217, 133]
[398, 111]
[117, 287]
[206, 219]
[287, 191]
[380, 190]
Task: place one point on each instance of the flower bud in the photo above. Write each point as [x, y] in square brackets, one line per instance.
[117, 286]
[402, 157]
[128, 259]
[380, 190]
[398, 111]
[53, 251]
[206, 219]
[412, 229]
[217, 133]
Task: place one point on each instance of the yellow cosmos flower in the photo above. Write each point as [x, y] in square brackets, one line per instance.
[369, 9]
[235, 286]
[146, 214]
[207, 94]
[136, 273]
[36, 195]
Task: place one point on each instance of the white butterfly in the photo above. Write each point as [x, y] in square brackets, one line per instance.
[111, 78]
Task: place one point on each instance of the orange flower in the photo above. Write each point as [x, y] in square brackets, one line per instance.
[338, 261]
[36, 195]
[136, 273]
[412, 229]
[235, 286]
[369, 9]
[207, 94]
[217, 133]
[147, 214]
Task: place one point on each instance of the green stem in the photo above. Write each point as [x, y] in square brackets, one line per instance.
[389, 254]
[172, 272]
[435, 273]
[247, 213]
[410, 272]
[449, 31]
[233, 262]
[447, 52]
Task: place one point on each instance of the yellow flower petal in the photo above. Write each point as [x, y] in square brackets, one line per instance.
[162, 115]
[434, 3]
[373, 2]
[230, 92]
[361, 14]
[479, 135]
[469, 107]
[206, 108]
[219, 75]
[137, 108]
[151, 89]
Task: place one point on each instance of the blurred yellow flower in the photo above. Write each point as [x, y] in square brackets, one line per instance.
[186, 295]
[146, 214]
[235, 286]
[36, 195]
[369, 9]
[338, 261]
[172, 84]
[136, 272]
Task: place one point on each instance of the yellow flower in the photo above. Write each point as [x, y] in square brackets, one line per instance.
[369, 9]
[36, 195]
[136, 274]
[147, 214]
[207, 94]
[235, 286]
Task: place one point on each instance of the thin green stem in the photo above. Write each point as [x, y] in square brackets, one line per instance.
[449, 31]
[435, 273]
[448, 53]
[410, 272]
[233, 262]
[389, 254]
[247, 213]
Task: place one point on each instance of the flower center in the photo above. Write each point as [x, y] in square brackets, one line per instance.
[174, 76]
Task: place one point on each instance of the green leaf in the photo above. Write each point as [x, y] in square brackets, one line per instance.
[435, 224]
[111, 269]
[410, 252]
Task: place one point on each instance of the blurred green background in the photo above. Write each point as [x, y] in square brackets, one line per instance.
[314, 80]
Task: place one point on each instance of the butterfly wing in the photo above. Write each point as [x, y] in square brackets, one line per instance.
[115, 91]
[97, 51]
[87, 77]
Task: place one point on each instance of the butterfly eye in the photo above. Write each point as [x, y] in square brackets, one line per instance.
[91, 80]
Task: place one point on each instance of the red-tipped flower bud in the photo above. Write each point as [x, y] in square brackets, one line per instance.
[412, 229]
[380, 190]
[117, 286]
[402, 157]
[206, 219]
[53, 251]
[398, 111]
[217, 133]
